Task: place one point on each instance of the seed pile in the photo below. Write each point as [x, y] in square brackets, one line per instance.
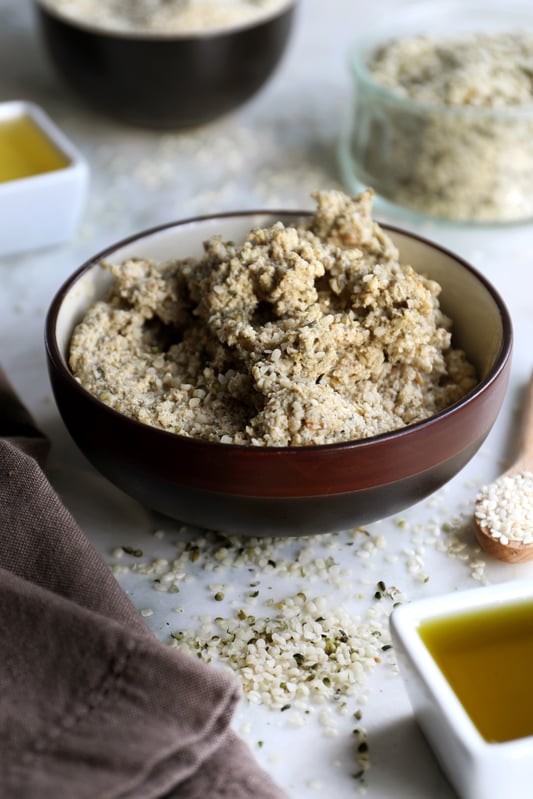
[292, 653]
[505, 508]
[304, 652]
[308, 653]
[300, 649]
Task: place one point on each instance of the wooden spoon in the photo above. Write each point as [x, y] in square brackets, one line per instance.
[518, 503]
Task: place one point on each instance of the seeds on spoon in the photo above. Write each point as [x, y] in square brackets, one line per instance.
[504, 508]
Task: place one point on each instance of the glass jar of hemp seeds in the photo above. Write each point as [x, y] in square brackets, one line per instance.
[441, 121]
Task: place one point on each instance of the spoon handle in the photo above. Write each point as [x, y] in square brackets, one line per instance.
[526, 433]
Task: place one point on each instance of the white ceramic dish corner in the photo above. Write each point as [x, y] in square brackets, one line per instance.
[478, 769]
[42, 209]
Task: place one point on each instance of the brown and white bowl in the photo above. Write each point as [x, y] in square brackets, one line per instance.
[284, 490]
[165, 80]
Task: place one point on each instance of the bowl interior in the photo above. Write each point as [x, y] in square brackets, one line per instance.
[114, 30]
[478, 325]
[478, 316]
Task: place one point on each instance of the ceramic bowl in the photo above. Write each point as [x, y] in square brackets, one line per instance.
[461, 163]
[165, 80]
[43, 192]
[283, 490]
[477, 767]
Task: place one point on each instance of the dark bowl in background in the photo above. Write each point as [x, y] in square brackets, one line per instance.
[165, 80]
[283, 490]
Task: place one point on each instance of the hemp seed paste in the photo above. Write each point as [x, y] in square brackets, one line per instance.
[306, 334]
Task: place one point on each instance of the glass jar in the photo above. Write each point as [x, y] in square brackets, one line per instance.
[469, 163]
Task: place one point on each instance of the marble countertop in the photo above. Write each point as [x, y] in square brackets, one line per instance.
[272, 153]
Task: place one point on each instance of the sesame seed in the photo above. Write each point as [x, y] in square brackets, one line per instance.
[504, 508]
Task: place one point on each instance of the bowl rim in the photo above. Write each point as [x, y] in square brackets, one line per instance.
[144, 37]
[60, 364]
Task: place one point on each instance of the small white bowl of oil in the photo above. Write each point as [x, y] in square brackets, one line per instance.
[43, 180]
[467, 662]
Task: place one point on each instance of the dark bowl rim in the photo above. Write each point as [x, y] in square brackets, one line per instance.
[57, 360]
[146, 37]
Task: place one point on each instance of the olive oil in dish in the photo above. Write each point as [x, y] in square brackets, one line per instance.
[25, 151]
[486, 657]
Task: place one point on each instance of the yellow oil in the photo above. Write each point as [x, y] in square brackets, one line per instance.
[487, 658]
[25, 150]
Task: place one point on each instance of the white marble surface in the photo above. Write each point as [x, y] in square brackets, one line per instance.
[271, 153]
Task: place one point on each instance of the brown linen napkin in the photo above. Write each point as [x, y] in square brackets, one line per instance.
[92, 706]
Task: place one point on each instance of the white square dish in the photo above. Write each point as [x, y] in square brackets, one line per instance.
[437, 641]
[41, 204]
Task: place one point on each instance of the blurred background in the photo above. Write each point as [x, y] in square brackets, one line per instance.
[272, 152]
